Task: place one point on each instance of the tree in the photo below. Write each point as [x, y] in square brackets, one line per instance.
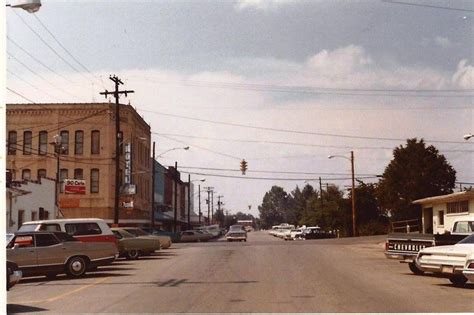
[298, 204]
[369, 217]
[416, 171]
[274, 207]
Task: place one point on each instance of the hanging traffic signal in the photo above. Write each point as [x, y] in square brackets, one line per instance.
[243, 166]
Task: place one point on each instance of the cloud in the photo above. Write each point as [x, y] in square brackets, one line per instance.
[442, 41]
[262, 5]
[464, 76]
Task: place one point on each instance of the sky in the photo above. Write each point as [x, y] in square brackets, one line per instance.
[281, 84]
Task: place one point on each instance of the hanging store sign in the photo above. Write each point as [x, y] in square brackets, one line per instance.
[75, 186]
[128, 164]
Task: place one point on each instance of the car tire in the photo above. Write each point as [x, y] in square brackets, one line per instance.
[414, 268]
[458, 280]
[76, 266]
[133, 254]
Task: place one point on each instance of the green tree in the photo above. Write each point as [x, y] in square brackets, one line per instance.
[298, 204]
[416, 171]
[369, 217]
[273, 209]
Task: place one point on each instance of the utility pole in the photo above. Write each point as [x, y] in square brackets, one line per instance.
[219, 203]
[175, 180]
[116, 94]
[209, 189]
[354, 229]
[152, 225]
[321, 192]
[199, 199]
[212, 206]
[189, 201]
[57, 149]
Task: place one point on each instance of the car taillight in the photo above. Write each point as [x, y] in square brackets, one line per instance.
[471, 265]
[386, 245]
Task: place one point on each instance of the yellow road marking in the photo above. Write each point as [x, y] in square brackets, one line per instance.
[55, 298]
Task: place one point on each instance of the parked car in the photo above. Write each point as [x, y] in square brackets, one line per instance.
[316, 233]
[236, 233]
[132, 247]
[294, 234]
[195, 236]
[468, 270]
[84, 229]
[13, 274]
[449, 261]
[165, 241]
[52, 253]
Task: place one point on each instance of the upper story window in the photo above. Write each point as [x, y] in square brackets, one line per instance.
[12, 142]
[43, 143]
[64, 142]
[27, 142]
[95, 142]
[79, 142]
[26, 173]
[63, 174]
[94, 180]
[78, 173]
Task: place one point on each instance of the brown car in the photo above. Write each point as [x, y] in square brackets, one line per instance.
[132, 247]
[165, 240]
[52, 253]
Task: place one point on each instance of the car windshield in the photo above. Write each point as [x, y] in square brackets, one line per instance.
[234, 228]
[28, 227]
[467, 240]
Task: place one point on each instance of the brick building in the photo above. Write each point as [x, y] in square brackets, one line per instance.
[86, 133]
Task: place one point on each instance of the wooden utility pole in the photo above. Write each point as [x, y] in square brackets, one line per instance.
[116, 94]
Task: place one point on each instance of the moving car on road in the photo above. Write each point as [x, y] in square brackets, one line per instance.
[236, 233]
[450, 261]
[51, 253]
[165, 240]
[132, 247]
[195, 236]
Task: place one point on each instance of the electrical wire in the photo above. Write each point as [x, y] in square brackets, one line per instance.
[20, 95]
[289, 130]
[427, 6]
[32, 85]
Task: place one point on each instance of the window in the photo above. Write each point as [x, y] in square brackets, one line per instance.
[26, 174]
[79, 142]
[46, 215]
[94, 180]
[41, 173]
[27, 142]
[63, 174]
[78, 173]
[64, 142]
[95, 142]
[43, 143]
[91, 228]
[441, 217]
[43, 240]
[12, 143]
[50, 227]
[34, 216]
[463, 227]
[458, 207]
[21, 217]
[23, 241]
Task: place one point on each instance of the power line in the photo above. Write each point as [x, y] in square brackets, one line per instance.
[32, 85]
[24, 97]
[427, 6]
[289, 130]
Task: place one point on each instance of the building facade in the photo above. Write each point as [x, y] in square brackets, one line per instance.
[77, 141]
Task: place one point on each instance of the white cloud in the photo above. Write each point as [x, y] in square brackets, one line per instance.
[464, 76]
[262, 5]
[442, 41]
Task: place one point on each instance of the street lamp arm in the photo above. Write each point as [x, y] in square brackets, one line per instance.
[340, 156]
[159, 155]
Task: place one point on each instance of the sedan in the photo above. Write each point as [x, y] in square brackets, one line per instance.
[132, 247]
[450, 261]
[236, 233]
[165, 240]
[195, 236]
[51, 253]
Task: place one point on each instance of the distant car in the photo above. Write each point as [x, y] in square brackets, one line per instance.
[165, 241]
[132, 247]
[449, 261]
[236, 233]
[13, 274]
[316, 233]
[293, 234]
[195, 236]
[52, 253]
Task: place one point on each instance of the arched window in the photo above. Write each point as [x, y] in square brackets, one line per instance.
[27, 142]
[64, 142]
[43, 143]
[94, 180]
[41, 173]
[26, 173]
[79, 142]
[12, 143]
[95, 142]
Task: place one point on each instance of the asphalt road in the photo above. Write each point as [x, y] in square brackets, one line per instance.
[263, 275]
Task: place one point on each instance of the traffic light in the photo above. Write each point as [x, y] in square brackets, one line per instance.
[243, 166]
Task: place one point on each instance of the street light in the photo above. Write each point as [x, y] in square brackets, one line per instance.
[179, 148]
[31, 6]
[468, 136]
[189, 196]
[351, 159]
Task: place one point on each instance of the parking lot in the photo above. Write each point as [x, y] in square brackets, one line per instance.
[265, 274]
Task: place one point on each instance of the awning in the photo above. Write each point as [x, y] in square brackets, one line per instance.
[458, 196]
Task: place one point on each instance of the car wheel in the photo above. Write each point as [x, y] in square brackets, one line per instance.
[133, 254]
[413, 268]
[76, 266]
[458, 280]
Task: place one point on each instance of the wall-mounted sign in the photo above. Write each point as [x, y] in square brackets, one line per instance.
[75, 186]
[127, 204]
[129, 189]
[128, 164]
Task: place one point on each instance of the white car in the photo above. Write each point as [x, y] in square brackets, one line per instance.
[450, 261]
[293, 234]
[468, 271]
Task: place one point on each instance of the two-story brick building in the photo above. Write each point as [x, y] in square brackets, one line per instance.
[86, 133]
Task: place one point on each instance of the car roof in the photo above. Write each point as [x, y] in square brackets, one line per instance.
[63, 220]
[40, 232]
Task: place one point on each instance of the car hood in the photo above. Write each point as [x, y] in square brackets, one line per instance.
[454, 250]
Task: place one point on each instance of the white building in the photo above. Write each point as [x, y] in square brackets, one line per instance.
[439, 212]
[24, 200]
